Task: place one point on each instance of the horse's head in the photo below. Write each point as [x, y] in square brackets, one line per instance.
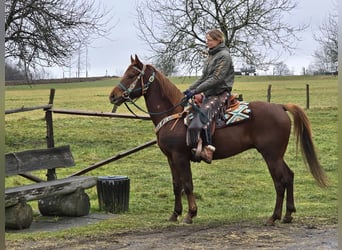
[133, 83]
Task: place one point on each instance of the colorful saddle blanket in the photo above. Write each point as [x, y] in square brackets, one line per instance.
[237, 113]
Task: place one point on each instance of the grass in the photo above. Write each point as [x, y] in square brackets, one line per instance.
[231, 190]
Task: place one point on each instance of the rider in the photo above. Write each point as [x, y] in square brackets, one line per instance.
[215, 85]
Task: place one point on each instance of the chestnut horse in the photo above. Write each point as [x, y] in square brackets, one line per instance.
[268, 130]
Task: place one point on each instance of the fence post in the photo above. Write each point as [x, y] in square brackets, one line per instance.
[307, 96]
[269, 93]
[51, 173]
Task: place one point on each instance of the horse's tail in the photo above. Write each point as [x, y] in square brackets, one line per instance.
[302, 131]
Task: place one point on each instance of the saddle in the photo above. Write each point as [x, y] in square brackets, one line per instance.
[232, 111]
[235, 110]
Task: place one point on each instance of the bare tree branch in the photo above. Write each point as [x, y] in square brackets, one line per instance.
[48, 32]
[326, 56]
[254, 29]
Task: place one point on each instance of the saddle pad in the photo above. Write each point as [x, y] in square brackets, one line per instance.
[237, 115]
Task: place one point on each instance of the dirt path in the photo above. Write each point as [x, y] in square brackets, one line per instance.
[236, 236]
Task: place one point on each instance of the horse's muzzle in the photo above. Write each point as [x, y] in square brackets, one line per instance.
[116, 100]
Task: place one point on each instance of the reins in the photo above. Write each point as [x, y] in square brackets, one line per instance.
[181, 103]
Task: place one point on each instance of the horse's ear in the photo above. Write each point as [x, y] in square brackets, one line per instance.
[138, 62]
[132, 59]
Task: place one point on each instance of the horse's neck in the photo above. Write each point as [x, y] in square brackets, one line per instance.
[159, 104]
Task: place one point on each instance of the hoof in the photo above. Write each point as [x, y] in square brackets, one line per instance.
[269, 222]
[187, 220]
[173, 218]
[287, 219]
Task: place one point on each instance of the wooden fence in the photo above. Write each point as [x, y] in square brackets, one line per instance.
[307, 95]
[49, 110]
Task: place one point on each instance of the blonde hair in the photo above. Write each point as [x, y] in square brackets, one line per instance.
[216, 34]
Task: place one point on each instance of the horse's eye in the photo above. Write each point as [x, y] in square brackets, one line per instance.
[131, 76]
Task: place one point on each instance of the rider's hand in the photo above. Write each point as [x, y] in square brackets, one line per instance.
[189, 93]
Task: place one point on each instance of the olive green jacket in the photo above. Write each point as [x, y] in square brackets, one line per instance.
[218, 73]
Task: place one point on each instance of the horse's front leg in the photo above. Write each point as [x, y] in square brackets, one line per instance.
[178, 208]
[192, 212]
[177, 189]
[188, 188]
[182, 181]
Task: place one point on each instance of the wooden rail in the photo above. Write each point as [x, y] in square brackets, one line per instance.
[24, 109]
[49, 111]
[99, 114]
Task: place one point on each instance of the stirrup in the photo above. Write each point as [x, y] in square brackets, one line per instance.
[197, 151]
[199, 148]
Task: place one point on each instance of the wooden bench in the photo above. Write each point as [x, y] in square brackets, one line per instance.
[58, 197]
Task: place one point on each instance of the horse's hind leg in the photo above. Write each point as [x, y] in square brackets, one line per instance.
[282, 180]
[290, 207]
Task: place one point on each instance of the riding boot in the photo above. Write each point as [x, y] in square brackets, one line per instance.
[207, 153]
[208, 150]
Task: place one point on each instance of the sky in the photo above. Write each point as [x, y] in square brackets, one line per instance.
[112, 56]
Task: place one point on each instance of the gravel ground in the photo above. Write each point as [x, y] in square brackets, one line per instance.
[232, 236]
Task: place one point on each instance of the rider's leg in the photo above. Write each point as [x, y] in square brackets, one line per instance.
[208, 149]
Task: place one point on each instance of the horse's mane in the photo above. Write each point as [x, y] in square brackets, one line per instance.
[168, 89]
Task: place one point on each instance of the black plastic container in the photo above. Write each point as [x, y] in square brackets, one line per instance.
[113, 193]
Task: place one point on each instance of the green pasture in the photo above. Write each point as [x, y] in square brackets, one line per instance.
[231, 190]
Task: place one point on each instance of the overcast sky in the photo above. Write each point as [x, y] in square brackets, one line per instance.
[112, 56]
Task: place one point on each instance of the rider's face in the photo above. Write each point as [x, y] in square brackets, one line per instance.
[211, 43]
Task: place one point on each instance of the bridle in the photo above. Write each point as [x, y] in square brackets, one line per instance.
[144, 87]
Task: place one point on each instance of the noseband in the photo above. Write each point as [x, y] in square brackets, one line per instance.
[144, 86]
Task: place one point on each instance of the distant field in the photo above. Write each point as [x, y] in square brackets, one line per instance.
[235, 189]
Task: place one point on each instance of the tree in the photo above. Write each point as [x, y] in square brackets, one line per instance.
[12, 73]
[281, 69]
[326, 56]
[254, 29]
[167, 65]
[48, 32]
